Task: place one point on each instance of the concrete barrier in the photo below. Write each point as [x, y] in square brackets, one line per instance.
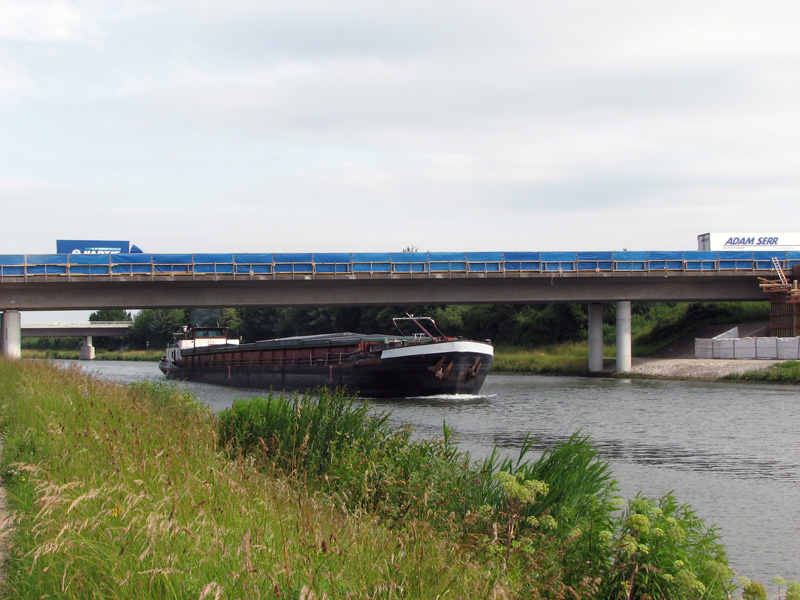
[789, 348]
[729, 346]
[766, 347]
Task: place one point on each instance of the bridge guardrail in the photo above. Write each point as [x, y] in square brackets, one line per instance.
[38, 267]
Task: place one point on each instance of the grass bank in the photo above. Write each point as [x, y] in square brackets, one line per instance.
[125, 493]
[568, 358]
[136, 355]
[138, 492]
[572, 359]
[785, 372]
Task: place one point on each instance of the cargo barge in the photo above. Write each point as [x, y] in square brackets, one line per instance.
[425, 363]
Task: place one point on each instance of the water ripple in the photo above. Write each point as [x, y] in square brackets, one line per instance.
[672, 457]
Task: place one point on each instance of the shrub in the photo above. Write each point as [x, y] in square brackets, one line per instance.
[662, 549]
[302, 432]
[553, 523]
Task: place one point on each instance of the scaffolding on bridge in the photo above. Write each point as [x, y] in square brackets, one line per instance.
[784, 301]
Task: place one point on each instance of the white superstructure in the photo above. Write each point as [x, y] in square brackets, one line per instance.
[199, 337]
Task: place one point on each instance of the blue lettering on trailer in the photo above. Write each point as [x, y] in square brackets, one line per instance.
[740, 241]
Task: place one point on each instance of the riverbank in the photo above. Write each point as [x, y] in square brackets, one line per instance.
[565, 359]
[696, 368]
[570, 360]
[124, 492]
[134, 355]
[124, 488]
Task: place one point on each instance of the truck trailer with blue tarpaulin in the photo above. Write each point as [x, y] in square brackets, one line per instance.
[92, 247]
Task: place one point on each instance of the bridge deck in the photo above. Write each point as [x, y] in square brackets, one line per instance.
[93, 328]
[439, 265]
[128, 281]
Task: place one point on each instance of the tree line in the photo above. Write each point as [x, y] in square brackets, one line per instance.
[527, 325]
[523, 326]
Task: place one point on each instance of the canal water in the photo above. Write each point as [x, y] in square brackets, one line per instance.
[731, 451]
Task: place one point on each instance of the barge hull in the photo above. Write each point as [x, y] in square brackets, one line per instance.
[405, 376]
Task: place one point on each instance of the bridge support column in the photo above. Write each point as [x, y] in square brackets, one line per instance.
[595, 337]
[624, 362]
[87, 350]
[12, 334]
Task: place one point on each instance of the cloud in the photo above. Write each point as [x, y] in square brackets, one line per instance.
[44, 20]
[13, 81]
[363, 125]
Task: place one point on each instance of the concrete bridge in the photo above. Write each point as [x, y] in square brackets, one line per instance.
[81, 282]
[85, 330]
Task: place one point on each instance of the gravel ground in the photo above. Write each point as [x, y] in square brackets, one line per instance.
[677, 361]
[696, 368]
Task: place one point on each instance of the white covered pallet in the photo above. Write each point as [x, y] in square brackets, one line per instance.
[729, 346]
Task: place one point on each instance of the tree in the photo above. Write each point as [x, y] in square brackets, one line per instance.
[216, 317]
[109, 315]
[259, 323]
[155, 328]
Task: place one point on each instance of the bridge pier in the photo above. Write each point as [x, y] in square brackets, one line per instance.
[623, 329]
[87, 350]
[624, 361]
[11, 334]
[595, 337]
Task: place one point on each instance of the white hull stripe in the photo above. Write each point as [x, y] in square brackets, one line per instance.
[440, 348]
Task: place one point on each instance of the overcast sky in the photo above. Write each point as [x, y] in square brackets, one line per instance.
[262, 126]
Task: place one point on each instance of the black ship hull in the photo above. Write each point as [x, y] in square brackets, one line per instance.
[425, 374]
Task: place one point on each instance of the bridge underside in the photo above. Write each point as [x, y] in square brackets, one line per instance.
[387, 291]
[11, 333]
[93, 295]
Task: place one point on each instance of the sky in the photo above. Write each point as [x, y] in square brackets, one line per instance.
[363, 126]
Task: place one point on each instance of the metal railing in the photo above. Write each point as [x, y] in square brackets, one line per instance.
[44, 267]
[81, 324]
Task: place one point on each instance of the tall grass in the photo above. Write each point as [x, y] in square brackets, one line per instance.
[552, 523]
[569, 357]
[301, 432]
[576, 477]
[579, 501]
[123, 493]
[341, 445]
[138, 492]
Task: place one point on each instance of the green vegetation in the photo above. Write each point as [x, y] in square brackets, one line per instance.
[654, 326]
[566, 358]
[138, 492]
[57, 344]
[783, 372]
[529, 338]
[663, 324]
[135, 355]
[523, 327]
[113, 342]
[125, 494]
